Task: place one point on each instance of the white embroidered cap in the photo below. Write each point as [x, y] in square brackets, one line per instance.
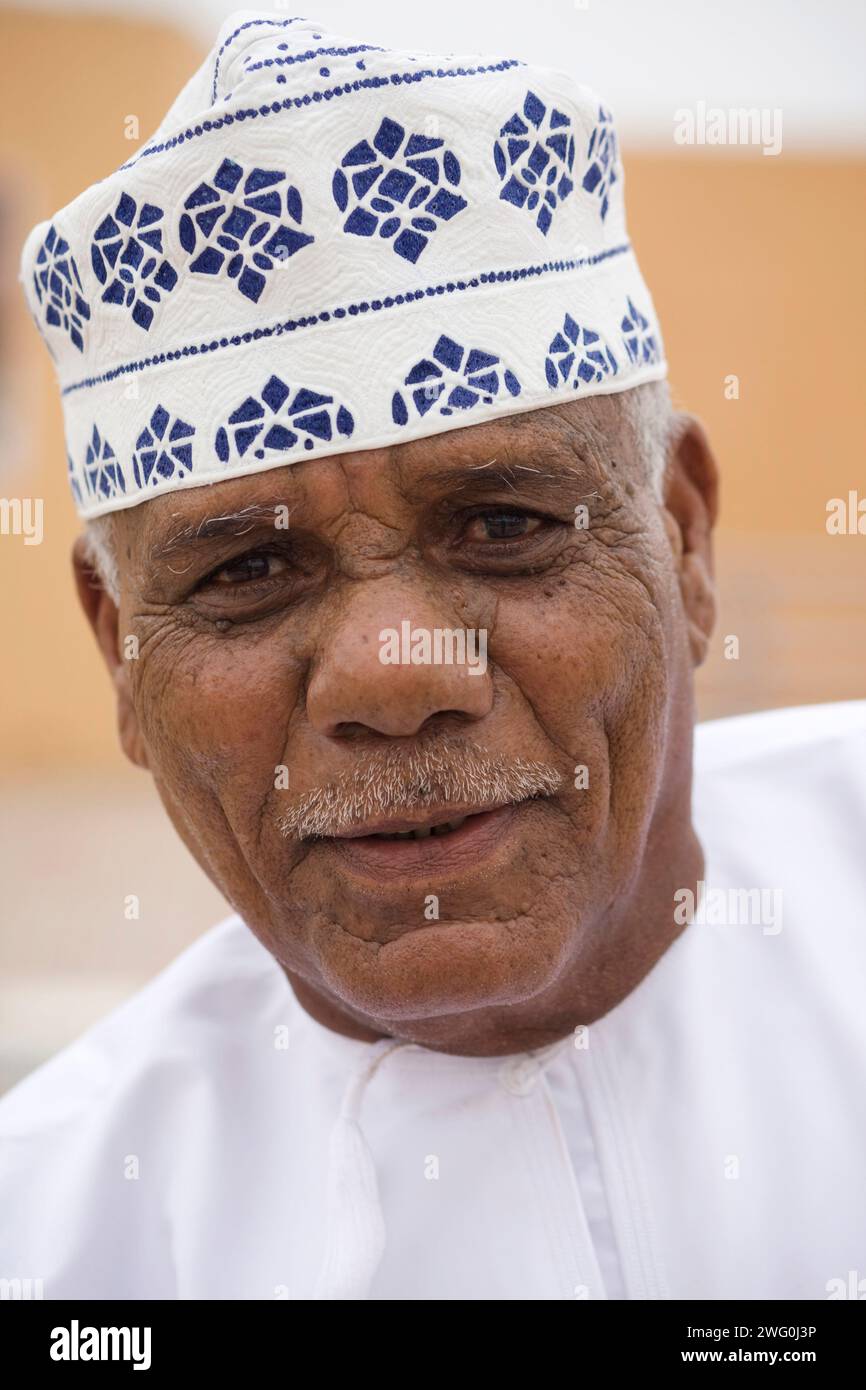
[331, 246]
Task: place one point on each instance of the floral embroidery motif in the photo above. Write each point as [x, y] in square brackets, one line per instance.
[468, 378]
[534, 156]
[398, 186]
[163, 450]
[125, 255]
[602, 156]
[640, 341]
[239, 228]
[103, 475]
[579, 353]
[278, 419]
[58, 288]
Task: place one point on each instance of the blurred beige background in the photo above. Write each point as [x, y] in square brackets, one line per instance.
[756, 268]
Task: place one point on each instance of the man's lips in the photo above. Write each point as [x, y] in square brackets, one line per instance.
[474, 842]
[419, 826]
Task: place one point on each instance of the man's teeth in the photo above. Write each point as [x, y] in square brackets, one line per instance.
[423, 831]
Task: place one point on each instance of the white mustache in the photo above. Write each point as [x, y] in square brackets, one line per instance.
[395, 781]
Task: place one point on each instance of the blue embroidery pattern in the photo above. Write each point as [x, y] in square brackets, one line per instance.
[393, 183]
[580, 349]
[601, 173]
[163, 449]
[73, 481]
[534, 156]
[243, 234]
[491, 278]
[249, 24]
[127, 247]
[58, 288]
[468, 378]
[295, 103]
[290, 59]
[640, 342]
[103, 475]
[281, 414]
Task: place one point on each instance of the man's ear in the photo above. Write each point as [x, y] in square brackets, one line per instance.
[102, 613]
[691, 499]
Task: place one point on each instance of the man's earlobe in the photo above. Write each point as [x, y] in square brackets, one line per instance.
[691, 501]
[103, 615]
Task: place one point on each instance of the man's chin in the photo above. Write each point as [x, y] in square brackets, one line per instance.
[441, 969]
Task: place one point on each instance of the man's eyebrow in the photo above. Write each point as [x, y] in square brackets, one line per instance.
[490, 475]
[494, 475]
[207, 528]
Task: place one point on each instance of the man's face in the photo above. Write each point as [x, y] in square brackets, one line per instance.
[259, 698]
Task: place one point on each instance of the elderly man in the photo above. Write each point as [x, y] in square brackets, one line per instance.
[400, 564]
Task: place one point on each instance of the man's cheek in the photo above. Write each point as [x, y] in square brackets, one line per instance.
[578, 648]
[593, 666]
[223, 718]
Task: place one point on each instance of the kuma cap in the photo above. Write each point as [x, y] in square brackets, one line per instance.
[330, 246]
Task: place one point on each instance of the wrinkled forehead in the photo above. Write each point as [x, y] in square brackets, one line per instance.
[552, 456]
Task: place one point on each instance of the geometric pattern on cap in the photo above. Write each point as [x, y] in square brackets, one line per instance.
[102, 475]
[640, 341]
[73, 480]
[534, 156]
[278, 419]
[579, 351]
[397, 186]
[234, 225]
[163, 450]
[125, 255]
[58, 288]
[452, 378]
[602, 157]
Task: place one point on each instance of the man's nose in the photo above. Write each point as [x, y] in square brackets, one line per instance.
[353, 689]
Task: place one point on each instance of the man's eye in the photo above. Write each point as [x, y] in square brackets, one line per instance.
[501, 526]
[249, 568]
